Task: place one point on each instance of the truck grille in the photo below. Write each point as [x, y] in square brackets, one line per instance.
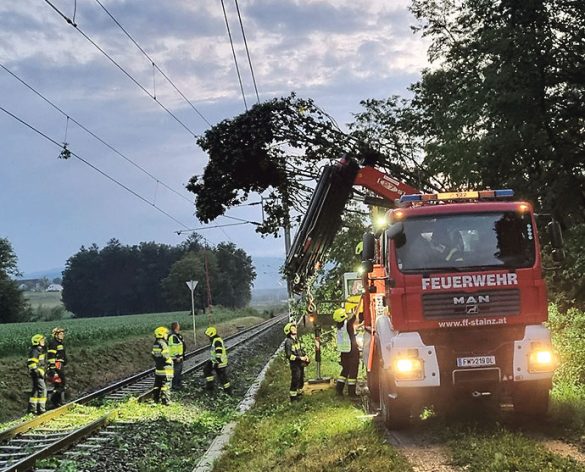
[492, 303]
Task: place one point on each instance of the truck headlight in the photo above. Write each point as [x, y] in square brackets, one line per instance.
[541, 359]
[408, 368]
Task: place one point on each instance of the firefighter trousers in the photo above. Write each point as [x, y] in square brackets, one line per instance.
[177, 374]
[38, 394]
[297, 379]
[58, 396]
[350, 362]
[208, 369]
[162, 386]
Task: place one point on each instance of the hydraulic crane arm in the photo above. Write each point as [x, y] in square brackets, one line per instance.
[323, 218]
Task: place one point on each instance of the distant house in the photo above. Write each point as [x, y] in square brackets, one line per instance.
[55, 288]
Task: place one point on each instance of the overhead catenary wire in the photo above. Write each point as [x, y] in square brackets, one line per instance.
[97, 169]
[227, 25]
[154, 64]
[122, 69]
[247, 51]
[91, 133]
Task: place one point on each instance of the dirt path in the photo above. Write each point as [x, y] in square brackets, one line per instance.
[560, 448]
[423, 456]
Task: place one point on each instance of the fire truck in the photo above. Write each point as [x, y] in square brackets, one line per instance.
[454, 294]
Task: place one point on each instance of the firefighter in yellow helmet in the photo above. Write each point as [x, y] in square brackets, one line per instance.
[347, 346]
[298, 359]
[36, 368]
[218, 361]
[56, 360]
[163, 366]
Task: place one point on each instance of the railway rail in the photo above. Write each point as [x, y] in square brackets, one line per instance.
[41, 437]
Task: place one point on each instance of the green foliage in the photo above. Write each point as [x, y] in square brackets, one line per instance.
[500, 108]
[275, 147]
[151, 277]
[568, 331]
[13, 306]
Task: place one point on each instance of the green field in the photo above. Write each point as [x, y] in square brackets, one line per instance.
[46, 299]
[84, 332]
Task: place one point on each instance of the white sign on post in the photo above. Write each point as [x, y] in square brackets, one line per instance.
[192, 284]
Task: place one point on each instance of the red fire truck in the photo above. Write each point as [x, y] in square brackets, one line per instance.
[454, 295]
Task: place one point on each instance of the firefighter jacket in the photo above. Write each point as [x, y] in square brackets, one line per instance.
[36, 361]
[163, 364]
[218, 352]
[346, 341]
[56, 356]
[294, 349]
[176, 346]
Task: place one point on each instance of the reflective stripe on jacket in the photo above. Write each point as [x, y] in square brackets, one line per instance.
[294, 349]
[162, 360]
[56, 352]
[36, 360]
[218, 352]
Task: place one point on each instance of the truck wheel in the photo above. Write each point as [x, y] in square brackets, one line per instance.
[531, 401]
[395, 411]
[373, 382]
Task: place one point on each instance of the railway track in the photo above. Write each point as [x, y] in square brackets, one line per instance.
[44, 436]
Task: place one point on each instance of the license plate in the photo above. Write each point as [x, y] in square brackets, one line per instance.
[478, 361]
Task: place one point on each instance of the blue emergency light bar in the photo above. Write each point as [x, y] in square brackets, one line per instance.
[471, 195]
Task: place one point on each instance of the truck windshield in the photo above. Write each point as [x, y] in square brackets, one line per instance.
[466, 241]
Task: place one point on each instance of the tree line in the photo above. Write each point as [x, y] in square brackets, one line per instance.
[145, 278]
[151, 277]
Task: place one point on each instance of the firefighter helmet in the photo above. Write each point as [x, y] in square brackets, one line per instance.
[161, 332]
[36, 339]
[339, 315]
[287, 328]
[211, 332]
[57, 330]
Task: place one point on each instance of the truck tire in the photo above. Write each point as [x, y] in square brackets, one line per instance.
[395, 411]
[531, 400]
[373, 382]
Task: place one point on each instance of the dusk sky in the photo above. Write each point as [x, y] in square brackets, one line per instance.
[337, 52]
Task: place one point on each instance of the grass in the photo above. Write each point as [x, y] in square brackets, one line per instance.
[318, 433]
[84, 332]
[102, 350]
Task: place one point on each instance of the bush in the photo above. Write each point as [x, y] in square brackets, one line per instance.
[568, 332]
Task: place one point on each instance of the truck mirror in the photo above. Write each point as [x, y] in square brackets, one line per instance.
[395, 230]
[369, 247]
[555, 233]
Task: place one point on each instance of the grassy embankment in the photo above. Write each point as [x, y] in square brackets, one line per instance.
[100, 350]
[321, 433]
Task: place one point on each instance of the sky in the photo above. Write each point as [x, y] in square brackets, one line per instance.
[337, 52]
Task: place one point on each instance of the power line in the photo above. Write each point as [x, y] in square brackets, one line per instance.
[124, 71]
[227, 25]
[152, 62]
[109, 146]
[193, 230]
[247, 51]
[109, 177]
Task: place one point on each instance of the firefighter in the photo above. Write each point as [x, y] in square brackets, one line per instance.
[36, 368]
[349, 352]
[295, 353]
[218, 361]
[163, 366]
[56, 360]
[177, 351]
